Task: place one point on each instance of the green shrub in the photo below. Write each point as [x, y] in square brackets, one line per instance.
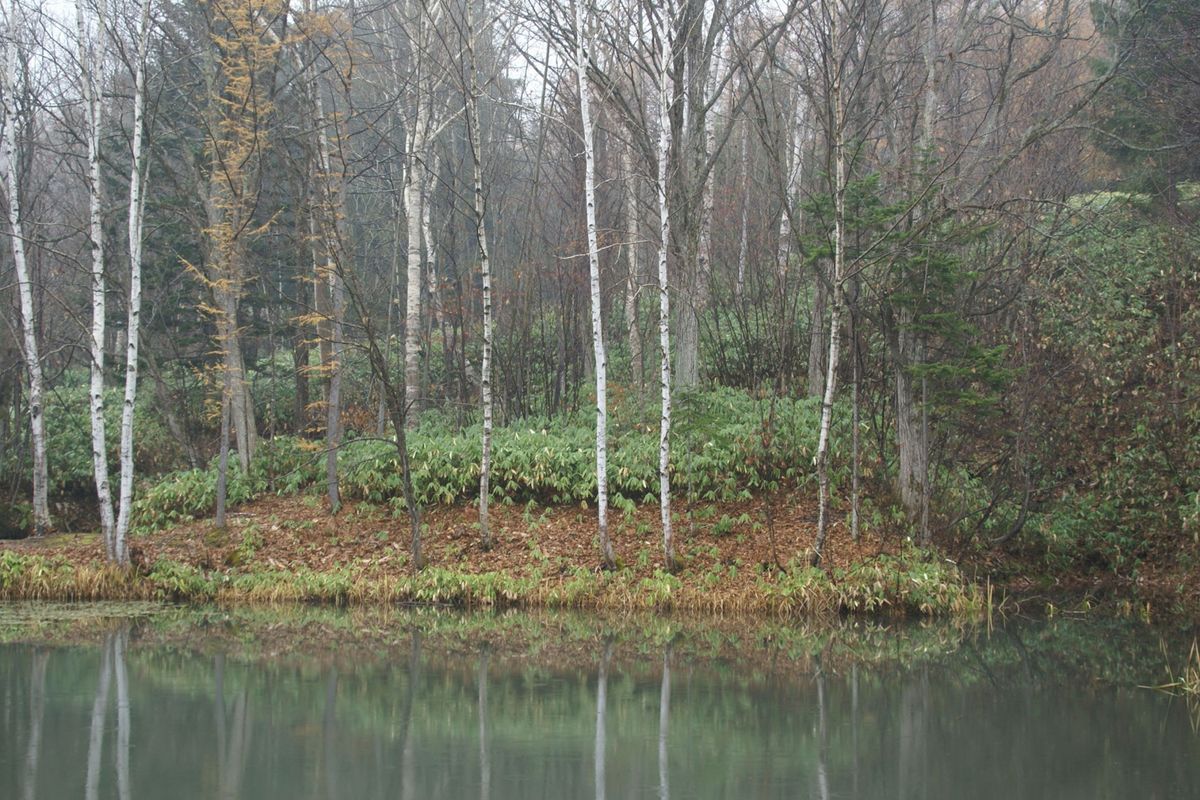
[721, 451]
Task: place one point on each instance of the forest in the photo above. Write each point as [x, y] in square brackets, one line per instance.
[924, 272]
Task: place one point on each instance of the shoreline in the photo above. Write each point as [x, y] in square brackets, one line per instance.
[289, 550]
[737, 558]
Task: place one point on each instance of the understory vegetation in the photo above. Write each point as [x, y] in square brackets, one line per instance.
[728, 446]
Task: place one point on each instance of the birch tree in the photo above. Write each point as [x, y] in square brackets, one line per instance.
[634, 277]
[425, 119]
[837, 138]
[475, 144]
[601, 362]
[664, 293]
[17, 104]
[92, 35]
[133, 326]
[93, 50]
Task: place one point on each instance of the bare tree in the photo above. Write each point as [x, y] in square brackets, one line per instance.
[601, 359]
[17, 101]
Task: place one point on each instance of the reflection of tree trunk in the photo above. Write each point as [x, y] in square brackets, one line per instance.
[233, 742]
[239, 743]
[119, 645]
[407, 784]
[485, 757]
[329, 733]
[37, 710]
[219, 712]
[854, 726]
[913, 704]
[601, 713]
[823, 738]
[664, 723]
[99, 719]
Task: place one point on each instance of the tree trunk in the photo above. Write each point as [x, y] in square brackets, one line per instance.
[601, 366]
[223, 458]
[485, 271]
[412, 310]
[633, 283]
[92, 63]
[241, 403]
[744, 233]
[839, 261]
[817, 338]
[137, 205]
[30, 351]
[910, 443]
[664, 294]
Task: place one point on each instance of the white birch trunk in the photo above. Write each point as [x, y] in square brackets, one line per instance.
[485, 270]
[137, 203]
[664, 295]
[791, 186]
[29, 343]
[744, 236]
[633, 284]
[413, 200]
[91, 65]
[431, 276]
[585, 111]
[839, 247]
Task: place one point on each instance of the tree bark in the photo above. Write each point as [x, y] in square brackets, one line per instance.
[601, 365]
[413, 200]
[29, 342]
[137, 206]
[634, 278]
[818, 338]
[485, 271]
[839, 260]
[664, 294]
[91, 67]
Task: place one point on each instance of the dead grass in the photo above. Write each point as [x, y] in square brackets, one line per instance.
[744, 558]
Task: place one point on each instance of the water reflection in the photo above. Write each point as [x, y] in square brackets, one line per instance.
[408, 760]
[119, 642]
[664, 727]
[37, 710]
[1003, 716]
[601, 714]
[822, 737]
[485, 758]
[99, 720]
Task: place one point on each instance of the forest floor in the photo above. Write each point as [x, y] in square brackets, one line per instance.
[728, 552]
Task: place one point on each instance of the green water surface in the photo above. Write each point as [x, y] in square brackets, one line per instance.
[151, 703]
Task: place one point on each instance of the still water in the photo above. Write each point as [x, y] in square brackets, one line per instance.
[322, 704]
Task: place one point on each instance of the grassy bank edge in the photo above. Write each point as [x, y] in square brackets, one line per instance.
[911, 584]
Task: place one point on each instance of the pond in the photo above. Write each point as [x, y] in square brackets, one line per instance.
[148, 702]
